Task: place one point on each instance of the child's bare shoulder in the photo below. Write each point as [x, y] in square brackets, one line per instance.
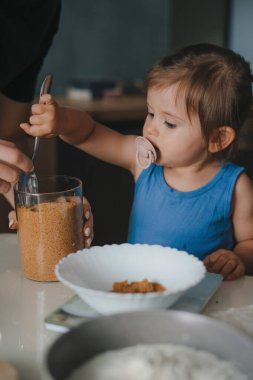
[244, 183]
[243, 195]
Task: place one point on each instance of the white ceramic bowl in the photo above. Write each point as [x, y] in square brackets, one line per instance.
[92, 272]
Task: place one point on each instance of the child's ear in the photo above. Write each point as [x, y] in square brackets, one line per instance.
[221, 139]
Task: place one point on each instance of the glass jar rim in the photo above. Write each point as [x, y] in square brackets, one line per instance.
[52, 177]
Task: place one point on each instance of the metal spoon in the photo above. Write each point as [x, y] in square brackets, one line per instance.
[45, 88]
[29, 182]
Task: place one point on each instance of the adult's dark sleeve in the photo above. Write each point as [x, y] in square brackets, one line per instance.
[27, 29]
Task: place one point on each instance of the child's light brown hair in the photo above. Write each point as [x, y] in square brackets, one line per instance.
[216, 84]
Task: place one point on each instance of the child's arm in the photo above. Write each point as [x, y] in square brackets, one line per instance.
[79, 129]
[243, 221]
[233, 264]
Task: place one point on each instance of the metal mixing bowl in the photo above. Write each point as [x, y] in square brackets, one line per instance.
[149, 327]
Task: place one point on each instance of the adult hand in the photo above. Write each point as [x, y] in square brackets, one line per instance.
[12, 162]
[87, 227]
[88, 223]
[227, 263]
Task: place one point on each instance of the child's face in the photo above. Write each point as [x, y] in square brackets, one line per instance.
[178, 140]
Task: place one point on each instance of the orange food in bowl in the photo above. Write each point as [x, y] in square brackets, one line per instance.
[143, 286]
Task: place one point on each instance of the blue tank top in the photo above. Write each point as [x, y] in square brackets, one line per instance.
[197, 221]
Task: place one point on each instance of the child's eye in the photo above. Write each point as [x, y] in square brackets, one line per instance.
[170, 125]
[150, 114]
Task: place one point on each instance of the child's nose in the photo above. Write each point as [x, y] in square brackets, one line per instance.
[152, 128]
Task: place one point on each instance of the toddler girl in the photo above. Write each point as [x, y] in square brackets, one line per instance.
[188, 195]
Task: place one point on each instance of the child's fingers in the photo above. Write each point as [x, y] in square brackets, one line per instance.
[239, 271]
[34, 130]
[37, 109]
[37, 130]
[47, 99]
[206, 263]
[13, 223]
[46, 120]
[36, 120]
[228, 268]
[218, 265]
[42, 108]
[26, 127]
[225, 263]
[210, 261]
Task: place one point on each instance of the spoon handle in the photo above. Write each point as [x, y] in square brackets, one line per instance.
[45, 88]
[46, 85]
[35, 147]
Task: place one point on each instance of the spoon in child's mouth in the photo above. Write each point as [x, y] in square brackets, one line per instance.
[145, 152]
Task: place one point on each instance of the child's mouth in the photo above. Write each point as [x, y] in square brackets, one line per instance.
[157, 151]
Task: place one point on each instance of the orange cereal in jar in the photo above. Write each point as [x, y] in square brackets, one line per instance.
[49, 231]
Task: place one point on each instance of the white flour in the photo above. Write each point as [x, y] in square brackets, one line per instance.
[241, 318]
[157, 362]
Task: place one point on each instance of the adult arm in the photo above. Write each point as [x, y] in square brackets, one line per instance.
[13, 144]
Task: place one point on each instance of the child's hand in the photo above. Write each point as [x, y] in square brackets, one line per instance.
[44, 119]
[226, 263]
[87, 228]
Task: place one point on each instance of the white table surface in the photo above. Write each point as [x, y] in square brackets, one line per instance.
[24, 339]
[24, 304]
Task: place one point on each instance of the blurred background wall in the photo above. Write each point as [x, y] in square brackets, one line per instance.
[120, 40]
[109, 39]
[241, 28]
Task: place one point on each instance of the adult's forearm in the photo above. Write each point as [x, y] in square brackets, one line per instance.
[12, 113]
